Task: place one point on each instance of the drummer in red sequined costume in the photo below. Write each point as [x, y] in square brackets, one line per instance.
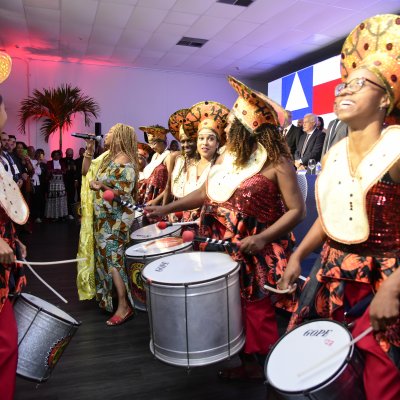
[155, 174]
[179, 160]
[12, 278]
[252, 197]
[204, 123]
[358, 199]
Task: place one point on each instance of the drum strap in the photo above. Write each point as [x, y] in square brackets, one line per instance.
[359, 308]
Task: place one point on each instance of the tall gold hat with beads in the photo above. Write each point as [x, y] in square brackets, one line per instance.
[153, 132]
[208, 115]
[375, 45]
[177, 127]
[253, 108]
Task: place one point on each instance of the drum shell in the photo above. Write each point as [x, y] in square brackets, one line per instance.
[42, 338]
[134, 268]
[195, 324]
[346, 383]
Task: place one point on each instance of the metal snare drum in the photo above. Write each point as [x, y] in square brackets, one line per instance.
[194, 306]
[289, 371]
[141, 254]
[44, 332]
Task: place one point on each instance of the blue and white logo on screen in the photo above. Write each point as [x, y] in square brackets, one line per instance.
[297, 92]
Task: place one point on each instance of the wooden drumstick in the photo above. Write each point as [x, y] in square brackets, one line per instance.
[50, 262]
[330, 356]
[44, 282]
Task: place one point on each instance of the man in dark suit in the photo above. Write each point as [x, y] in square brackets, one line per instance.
[291, 133]
[337, 130]
[310, 144]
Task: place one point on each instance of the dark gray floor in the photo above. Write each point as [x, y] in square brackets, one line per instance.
[111, 362]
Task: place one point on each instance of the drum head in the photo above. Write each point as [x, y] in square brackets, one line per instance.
[48, 308]
[157, 247]
[153, 232]
[193, 267]
[287, 366]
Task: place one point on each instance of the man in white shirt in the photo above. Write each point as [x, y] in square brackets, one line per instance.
[309, 145]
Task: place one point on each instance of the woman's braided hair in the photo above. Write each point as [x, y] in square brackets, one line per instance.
[123, 141]
[242, 141]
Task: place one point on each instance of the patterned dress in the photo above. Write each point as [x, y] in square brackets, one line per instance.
[56, 203]
[112, 223]
[254, 206]
[369, 262]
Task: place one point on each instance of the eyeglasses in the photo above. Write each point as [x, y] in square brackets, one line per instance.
[355, 85]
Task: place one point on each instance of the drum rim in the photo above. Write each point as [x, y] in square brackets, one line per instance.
[324, 382]
[189, 244]
[73, 322]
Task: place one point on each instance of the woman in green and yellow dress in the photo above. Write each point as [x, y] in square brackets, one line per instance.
[115, 170]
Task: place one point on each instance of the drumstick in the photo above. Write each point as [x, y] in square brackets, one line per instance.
[50, 262]
[330, 356]
[282, 291]
[110, 196]
[44, 282]
[189, 236]
[164, 224]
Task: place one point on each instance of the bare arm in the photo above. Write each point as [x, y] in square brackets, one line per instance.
[385, 306]
[87, 159]
[191, 201]
[293, 200]
[313, 240]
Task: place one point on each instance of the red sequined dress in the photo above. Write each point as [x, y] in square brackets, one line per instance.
[254, 206]
[154, 183]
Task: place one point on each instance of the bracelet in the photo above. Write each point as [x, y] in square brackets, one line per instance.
[89, 155]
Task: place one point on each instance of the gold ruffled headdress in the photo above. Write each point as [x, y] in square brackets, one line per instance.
[154, 132]
[177, 126]
[374, 45]
[253, 108]
[208, 115]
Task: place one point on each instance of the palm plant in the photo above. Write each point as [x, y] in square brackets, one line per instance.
[57, 106]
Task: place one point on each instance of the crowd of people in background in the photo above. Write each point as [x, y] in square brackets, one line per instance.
[51, 188]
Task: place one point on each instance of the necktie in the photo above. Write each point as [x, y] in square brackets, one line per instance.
[285, 131]
[308, 136]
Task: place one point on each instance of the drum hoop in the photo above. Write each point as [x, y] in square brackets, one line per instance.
[182, 284]
[326, 381]
[41, 309]
[144, 257]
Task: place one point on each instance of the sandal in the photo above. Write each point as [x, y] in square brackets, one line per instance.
[241, 373]
[117, 320]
